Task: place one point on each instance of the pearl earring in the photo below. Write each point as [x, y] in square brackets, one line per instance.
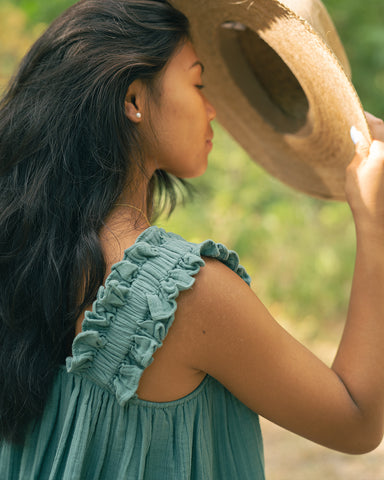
[138, 115]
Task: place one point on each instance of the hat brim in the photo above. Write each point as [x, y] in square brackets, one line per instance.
[279, 90]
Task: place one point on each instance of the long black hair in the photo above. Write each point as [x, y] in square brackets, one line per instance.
[67, 151]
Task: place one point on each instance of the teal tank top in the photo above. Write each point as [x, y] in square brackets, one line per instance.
[95, 427]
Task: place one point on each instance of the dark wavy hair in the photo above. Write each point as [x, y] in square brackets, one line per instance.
[67, 151]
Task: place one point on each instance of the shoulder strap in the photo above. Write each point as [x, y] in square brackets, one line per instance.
[135, 309]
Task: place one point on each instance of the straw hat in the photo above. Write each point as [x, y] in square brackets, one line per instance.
[279, 79]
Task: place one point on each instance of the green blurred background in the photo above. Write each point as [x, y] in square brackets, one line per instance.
[298, 250]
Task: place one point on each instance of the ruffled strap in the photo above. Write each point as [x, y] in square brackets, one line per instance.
[133, 312]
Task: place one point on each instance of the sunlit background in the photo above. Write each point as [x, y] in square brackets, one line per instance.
[298, 250]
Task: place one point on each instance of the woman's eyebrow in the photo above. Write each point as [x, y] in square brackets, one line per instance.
[198, 63]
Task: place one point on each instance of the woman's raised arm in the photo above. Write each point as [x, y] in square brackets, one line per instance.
[233, 338]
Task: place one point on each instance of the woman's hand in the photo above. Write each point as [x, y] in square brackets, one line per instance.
[365, 181]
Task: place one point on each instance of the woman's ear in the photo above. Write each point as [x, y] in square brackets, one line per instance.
[133, 101]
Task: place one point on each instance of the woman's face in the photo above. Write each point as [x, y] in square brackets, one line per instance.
[182, 118]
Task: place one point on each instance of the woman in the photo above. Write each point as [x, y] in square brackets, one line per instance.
[105, 114]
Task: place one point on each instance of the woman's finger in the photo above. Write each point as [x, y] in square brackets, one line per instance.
[362, 144]
[376, 126]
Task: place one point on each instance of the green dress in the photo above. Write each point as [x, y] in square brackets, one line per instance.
[94, 426]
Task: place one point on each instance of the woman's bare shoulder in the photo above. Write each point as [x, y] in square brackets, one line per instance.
[229, 334]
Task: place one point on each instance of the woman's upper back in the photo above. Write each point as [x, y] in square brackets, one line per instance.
[95, 426]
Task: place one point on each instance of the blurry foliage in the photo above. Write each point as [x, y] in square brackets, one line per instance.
[360, 25]
[41, 10]
[298, 250]
[15, 38]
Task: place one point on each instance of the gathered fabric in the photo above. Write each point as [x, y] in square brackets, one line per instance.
[95, 427]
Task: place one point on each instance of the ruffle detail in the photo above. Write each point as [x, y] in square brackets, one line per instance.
[230, 258]
[132, 314]
[126, 383]
[84, 350]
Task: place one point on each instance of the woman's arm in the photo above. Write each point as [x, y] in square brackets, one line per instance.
[360, 359]
[232, 337]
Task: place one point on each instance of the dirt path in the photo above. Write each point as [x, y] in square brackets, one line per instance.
[289, 457]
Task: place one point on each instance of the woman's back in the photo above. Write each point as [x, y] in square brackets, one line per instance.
[95, 425]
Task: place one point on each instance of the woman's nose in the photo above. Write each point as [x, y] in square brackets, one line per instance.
[211, 111]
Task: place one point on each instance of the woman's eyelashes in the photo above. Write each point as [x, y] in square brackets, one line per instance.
[200, 87]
